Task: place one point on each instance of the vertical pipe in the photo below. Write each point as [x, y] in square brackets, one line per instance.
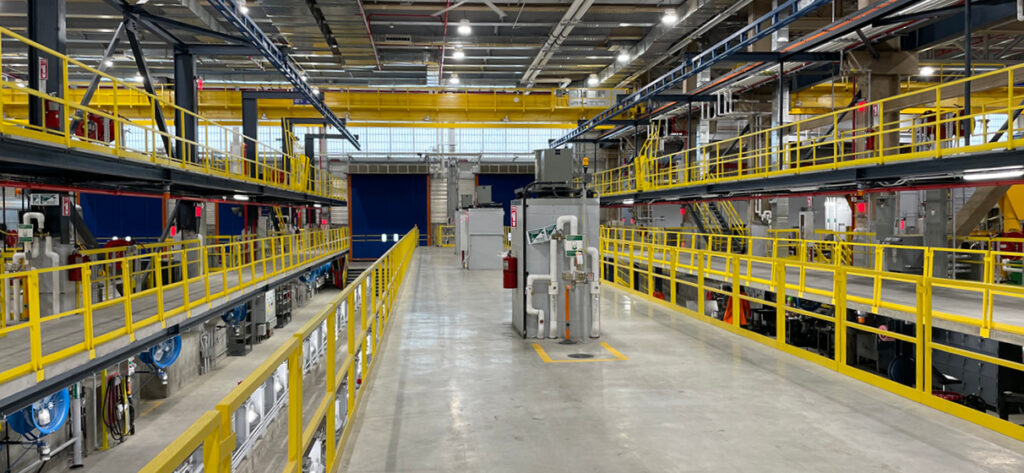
[967, 72]
[76, 425]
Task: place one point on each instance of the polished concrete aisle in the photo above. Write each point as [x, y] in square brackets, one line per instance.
[457, 390]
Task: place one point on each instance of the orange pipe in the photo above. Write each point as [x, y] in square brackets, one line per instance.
[567, 313]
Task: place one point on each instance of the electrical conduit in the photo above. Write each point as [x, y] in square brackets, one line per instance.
[595, 292]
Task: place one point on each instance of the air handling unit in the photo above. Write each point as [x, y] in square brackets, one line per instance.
[553, 263]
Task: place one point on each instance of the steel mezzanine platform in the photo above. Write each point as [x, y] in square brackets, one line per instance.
[203, 157]
[923, 135]
[46, 353]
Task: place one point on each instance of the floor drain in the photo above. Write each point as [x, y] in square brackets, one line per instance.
[581, 355]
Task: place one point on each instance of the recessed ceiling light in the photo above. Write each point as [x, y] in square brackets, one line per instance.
[670, 17]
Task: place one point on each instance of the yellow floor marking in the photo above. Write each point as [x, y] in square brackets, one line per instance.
[149, 409]
[547, 359]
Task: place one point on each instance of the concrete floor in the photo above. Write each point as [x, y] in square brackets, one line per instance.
[457, 390]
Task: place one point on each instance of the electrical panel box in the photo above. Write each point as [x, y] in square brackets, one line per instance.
[483, 195]
[554, 165]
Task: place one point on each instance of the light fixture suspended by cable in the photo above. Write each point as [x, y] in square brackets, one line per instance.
[464, 28]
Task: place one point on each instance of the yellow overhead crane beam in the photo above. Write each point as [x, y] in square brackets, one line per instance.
[423, 107]
[824, 98]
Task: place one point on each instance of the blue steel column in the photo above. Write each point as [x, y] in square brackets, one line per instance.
[185, 97]
[46, 26]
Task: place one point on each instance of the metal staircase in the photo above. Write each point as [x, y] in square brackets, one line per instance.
[720, 220]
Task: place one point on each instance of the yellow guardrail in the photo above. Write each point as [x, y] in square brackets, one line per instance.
[103, 129]
[941, 129]
[122, 292]
[658, 272]
[445, 237]
[370, 300]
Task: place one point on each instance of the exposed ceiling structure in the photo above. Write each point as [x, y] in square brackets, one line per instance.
[490, 43]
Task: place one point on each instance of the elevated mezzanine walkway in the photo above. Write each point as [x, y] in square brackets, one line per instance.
[124, 304]
[94, 146]
[922, 136]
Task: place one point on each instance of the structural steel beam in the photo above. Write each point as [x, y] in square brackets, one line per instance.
[221, 49]
[252, 32]
[147, 81]
[775, 57]
[46, 26]
[786, 13]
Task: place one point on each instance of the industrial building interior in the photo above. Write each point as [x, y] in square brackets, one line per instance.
[544, 235]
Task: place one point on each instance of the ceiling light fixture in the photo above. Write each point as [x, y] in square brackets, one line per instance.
[137, 78]
[316, 91]
[670, 18]
[458, 54]
[627, 202]
[243, 8]
[927, 71]
[241, 197]
[623, 56]
[108, 63]
[304, 77]
[454, 79]
[593, 81]
[464, 28]
[1012, 172]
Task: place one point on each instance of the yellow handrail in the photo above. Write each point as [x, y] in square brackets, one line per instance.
[939, 128]
[211, 152]
[120, 293]
[370, 301]
[645, 269]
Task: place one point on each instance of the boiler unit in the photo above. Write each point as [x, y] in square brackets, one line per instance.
[555, 232]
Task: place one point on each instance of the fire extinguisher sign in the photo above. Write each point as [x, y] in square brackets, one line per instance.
[514, 217]
[65, 208]
[44, 68]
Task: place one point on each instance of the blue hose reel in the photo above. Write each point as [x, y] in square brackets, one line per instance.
[44, 416]
[236, 316]
[162, 354]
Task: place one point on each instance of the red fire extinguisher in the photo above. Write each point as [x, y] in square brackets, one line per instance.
[509, 271]
[75, 274]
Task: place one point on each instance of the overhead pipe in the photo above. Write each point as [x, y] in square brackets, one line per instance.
[558, 35]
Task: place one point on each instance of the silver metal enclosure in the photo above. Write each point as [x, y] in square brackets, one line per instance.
[533, 259]
[485, 233]
[483, 195]
[554, 165]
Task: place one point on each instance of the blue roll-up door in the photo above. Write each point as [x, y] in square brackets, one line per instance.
[108, 216]
[388, 204]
